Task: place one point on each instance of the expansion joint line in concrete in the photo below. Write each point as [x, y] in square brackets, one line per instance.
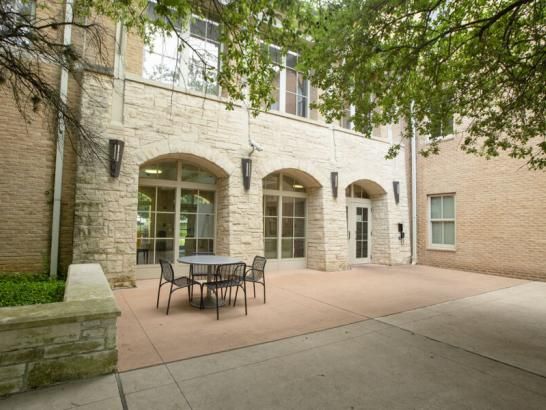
[121, 392]
[143, 330]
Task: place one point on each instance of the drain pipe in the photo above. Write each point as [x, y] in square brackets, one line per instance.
[58, 184]
[413, 188]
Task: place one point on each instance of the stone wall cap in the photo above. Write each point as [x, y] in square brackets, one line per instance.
[87, 297]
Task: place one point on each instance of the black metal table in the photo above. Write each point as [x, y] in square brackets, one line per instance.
[212, 261]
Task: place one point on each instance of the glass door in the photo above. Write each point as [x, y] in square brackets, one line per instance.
[359, 222]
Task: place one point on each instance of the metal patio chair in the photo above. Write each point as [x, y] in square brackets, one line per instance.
[225, 278]
[167, 276]
[256, 274]
[200, 272]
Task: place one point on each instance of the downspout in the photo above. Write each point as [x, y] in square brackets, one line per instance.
[413, 188]
[58, 184]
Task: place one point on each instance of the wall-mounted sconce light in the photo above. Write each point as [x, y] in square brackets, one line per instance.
[396, 189]
[116, 154]
[334, 181]
[247, 172]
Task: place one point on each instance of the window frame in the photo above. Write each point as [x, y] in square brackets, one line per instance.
[282, 85]
[182, 58]
[280, 194]
[439, 138]
[178, 185]
[430, 220]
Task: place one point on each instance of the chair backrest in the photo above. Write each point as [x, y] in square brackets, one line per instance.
[258, 264]
[230, 271]
[166, 270]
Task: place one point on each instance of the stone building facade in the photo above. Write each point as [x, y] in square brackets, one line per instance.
[159, 123]
[491, 213]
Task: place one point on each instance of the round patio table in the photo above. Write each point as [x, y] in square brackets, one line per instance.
[212, 261]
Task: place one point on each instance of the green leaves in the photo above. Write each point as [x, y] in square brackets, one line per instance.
[484, 60]
[27, 289]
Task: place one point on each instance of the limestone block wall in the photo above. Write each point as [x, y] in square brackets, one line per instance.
[55, 342]
[158, 121]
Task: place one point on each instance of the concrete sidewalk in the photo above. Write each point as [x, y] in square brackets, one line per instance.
[481, 351]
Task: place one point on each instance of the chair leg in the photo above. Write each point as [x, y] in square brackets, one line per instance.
[201, 302]
[244, 291]
[264, 290]
[217, 307]
[235, 299]
[254, 286]
[169, 301]
[158, 292]
[189, 293]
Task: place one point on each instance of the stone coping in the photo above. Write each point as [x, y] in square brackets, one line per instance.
[87, 296]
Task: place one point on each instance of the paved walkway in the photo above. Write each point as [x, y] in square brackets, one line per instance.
[487, 350]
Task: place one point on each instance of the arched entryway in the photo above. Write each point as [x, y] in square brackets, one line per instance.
[286, 195]
[363, 224]
[177, 208]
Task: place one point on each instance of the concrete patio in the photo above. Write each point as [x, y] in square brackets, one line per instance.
[398, 338]
[298, 302]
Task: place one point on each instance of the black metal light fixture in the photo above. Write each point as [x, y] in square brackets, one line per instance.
[247, 172]
[116, 154]
[335, 182]
[396, 189]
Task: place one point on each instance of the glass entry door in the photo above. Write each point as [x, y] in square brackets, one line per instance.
[359, 229]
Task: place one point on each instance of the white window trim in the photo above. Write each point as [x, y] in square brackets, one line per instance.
[178, 185]
[183, 58]
[282, 88]
[442, 138]
[280, 193]
[436, 246]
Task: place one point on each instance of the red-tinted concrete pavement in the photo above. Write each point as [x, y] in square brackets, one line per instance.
[298, 302]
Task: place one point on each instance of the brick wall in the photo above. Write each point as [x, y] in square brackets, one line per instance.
[500, 213]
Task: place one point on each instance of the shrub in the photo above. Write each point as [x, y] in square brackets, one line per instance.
[28, 288]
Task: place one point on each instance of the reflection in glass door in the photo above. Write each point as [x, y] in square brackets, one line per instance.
[196, 222]
[359, 228]
[361, 239]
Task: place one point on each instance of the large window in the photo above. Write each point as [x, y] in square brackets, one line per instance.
[290, 89]
[176, 211]
[441, 127]
[19, 15]
[442, 221]
[195, 66]
[284, 217]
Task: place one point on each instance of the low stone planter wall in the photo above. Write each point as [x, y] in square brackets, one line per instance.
[55, 342]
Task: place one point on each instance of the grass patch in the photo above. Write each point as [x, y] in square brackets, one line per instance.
[18, 289]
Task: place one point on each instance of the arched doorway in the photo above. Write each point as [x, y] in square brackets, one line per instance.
[359, 198]
[285, 196]
[177, 210]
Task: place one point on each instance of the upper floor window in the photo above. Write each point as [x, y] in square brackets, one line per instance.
[18, 16]
[347, 117]
[290, 89]
[441, 128]
[189, 58]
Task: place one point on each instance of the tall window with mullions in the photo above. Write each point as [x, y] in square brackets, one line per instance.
[192, 63]
[284, 217]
